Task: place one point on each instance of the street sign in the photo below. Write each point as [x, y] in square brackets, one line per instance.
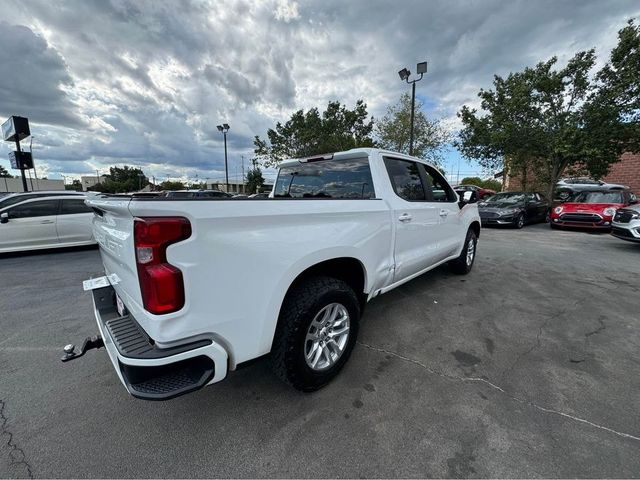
[15, 129]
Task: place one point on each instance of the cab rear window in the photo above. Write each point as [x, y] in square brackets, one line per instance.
[346, 179]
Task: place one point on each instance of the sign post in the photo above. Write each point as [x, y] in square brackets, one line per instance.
[13, 130]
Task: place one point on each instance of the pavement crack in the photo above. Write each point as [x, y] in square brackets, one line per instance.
[16, 454]
[501, 390]
[597, 330]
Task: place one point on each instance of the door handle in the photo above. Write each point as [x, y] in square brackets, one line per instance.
[444, 213]
[44, 222]
[405, 217]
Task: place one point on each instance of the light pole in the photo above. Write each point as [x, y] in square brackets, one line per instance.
[224, 128]
[421, 68]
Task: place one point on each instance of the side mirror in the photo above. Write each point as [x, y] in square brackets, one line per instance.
[4, 217]
[468, 196]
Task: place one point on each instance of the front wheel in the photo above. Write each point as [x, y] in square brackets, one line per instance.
[519, 223]
[463, 264]
[316, 333]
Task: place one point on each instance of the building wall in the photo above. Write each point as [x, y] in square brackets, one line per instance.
[626, 172]
[89, 181]
[15, 184]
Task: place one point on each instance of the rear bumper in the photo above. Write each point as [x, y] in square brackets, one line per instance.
[149, 372]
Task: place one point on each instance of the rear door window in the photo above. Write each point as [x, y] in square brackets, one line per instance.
[42, 208]
[406, 179]
[70, 207]
[343, 179]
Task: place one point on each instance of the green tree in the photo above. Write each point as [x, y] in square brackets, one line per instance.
[312, 133]
[4, 173]
[122, 180]
[393, 131]
[544, 119]
[489, 183]
[255, 180]
[75, 185]
[172, 185]
[619, 82]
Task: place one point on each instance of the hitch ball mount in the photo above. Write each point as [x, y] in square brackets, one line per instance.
[88, 344]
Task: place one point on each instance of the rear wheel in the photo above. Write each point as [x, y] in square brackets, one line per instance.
[463, 264]
[316, 333]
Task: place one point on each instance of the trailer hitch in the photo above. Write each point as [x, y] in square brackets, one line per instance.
[88, 344]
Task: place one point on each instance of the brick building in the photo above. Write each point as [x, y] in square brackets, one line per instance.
[624, 172]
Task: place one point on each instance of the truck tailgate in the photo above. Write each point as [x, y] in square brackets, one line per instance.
[113, 230]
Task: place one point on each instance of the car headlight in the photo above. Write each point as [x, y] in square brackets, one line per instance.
[558, 210]
[609, 211]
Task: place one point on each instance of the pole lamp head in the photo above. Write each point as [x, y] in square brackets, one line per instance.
[219, 127]
[226, 126]
[421, 67]
[404, 74]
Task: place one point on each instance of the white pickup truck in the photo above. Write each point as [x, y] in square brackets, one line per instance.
[195, 287]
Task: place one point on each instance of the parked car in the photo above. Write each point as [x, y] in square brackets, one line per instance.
[593, 209]
[568, 187]
[514, 208]
[50, 222]
[340, 230]
[482, 193]
[259, 195]
[197, 194]
[626, 223]
[13, 198]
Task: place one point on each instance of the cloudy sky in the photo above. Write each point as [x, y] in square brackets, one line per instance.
[144, 83]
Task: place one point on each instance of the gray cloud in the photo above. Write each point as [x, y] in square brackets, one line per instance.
[33, 74]
[146, 82]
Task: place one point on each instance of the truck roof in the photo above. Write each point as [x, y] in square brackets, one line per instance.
[354, 152]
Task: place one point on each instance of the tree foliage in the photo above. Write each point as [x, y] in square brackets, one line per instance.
[121, 180]
[74, 185]
[489, 183]
[545, 119]
[171, 185]
[393, 131]
[255, 180]
[311, 133]
[4, 173]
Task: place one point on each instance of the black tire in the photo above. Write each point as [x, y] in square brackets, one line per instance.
[300, 307]
[519, 221]
[460, 265]
[553, 226]
[547, 217]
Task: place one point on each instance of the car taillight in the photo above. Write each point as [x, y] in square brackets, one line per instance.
[161, 283]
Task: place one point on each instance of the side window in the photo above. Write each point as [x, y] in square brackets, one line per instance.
[439, 188]
[530, 197]
[35, 209]
[405, 179]
[70, 207]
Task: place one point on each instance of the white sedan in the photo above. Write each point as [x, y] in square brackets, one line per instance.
[51, 222]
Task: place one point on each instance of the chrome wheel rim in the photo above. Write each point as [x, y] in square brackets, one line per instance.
[327, 337]
[471, 251]
[520, 221]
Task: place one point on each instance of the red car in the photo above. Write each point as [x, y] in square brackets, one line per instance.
[481, 192]
[591, 209]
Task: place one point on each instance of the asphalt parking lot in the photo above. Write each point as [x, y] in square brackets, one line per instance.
[527, 367]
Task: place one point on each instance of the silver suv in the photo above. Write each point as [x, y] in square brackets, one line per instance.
[626, 223]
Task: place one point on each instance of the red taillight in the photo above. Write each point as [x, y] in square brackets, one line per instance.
[160, 282]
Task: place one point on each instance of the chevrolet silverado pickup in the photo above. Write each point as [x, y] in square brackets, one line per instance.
[195, 287]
